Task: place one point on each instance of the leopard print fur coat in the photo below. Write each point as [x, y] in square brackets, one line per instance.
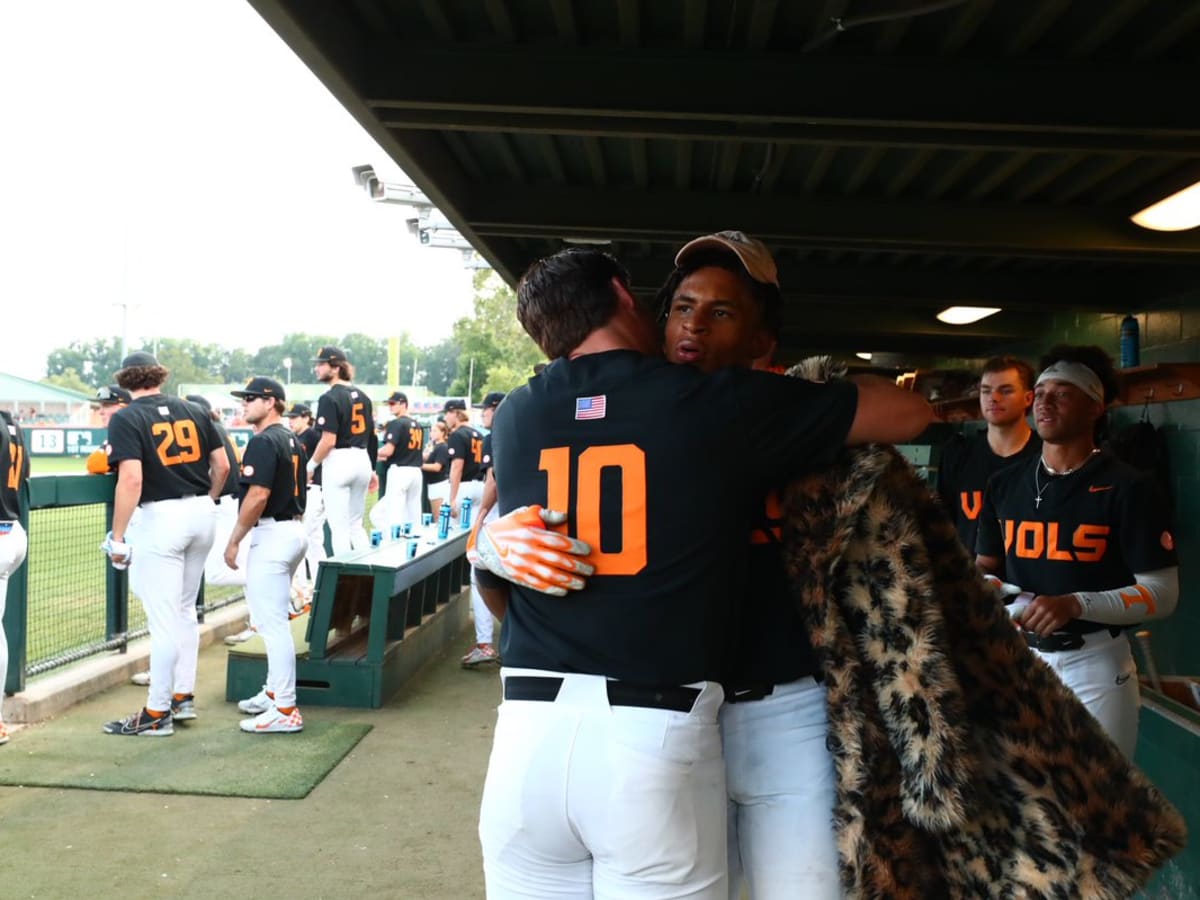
[964, 767]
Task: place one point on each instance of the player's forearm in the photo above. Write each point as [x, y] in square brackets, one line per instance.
[1153, 595]
[125, 500]
[495, 599]
[456, 472]
[386, 450]
[327, 442]
[250, 512]
[218, 471]
[886, 414]
[488, 500]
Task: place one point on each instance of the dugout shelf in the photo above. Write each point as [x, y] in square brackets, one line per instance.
[376, 616]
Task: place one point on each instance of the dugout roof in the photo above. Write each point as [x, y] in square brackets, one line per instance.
[986, 152]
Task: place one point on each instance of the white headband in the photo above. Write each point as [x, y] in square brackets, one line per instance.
[1077, 374]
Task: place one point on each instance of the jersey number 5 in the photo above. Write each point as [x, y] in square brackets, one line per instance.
[631, 461]
[181, 435]
[358, 423]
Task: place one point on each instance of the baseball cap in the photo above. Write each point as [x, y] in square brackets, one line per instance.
[492, 400]
[753, 254]
[330, 354]
[110, 394]
[200, 401]
[398, 397]
[297, 410]
[261, 386]
[139, 358]
[454, 404]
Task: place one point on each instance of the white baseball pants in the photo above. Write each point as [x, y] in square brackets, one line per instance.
[13, 545]
[781, 795]
[170, 543]
[588, 800]
[276, 549]
[216, 573]
[403, 497]
[1103, 676]
[345, 474]
[314, 536]
[485, 625]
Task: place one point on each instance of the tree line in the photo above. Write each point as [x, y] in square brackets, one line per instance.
[503, 355]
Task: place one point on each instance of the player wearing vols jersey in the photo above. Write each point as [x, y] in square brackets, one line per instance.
[171, 463]
[271, 510]
[108, 400]
[1005, 395]
[300, 420]
[346, 450]
[606, 775]
[14, 472]
[216, 573]
[484, 650]
[403, 441]
[465, 449]
[1083, 540]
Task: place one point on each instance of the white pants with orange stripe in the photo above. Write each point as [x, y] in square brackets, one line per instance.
[13, 545]
[1103, 676]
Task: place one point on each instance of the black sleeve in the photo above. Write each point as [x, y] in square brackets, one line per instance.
[391, 434]
[947, 473]
[258, 463]
[328, 414]
[372, 446]
[487, 579]
[124, 438]
[1147, 538]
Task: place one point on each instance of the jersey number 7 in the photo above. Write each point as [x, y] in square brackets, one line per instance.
[630, 459]
[17, 452]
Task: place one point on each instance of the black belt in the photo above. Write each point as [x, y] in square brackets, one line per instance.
[746, 695]
[1059, 640]
[620, 693]
[291, 518]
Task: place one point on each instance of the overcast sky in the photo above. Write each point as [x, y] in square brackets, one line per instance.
[177, 157]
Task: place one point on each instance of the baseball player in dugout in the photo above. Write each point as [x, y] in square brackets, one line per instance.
[1005, 396]
[1082, 542]
[606, 776]
[216, 573]
[484, 651]
[14, 473]
[271, 511]
[171, 466]
[403, 441]
[108, 400]
[300, 420]
[346, 451]
[464, 446]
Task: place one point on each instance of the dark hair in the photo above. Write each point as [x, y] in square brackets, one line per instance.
[563, 298]
[1089, 355]
[345, 371]
[141, 378]
[1004, 363]
[767, 296]
[280, 407]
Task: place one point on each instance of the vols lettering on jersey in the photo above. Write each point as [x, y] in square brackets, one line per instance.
[964, 469]
[346, 412]
[1040, 540]
[275, 458]
[407, 437]
[171, 438]
[466, 443]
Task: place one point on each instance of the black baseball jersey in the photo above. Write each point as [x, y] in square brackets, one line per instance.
[407, 438]
[345, 411]
[231, 480]
[171, 438]
[1092, 530]
[773, 645]
[14, 468]
[439, 454]
[466, 443]
[275, 458]
[963, 472]
[486, 462]
[309, 438]
[628, 446]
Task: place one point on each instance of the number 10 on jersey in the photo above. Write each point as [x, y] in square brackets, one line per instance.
[630, 460]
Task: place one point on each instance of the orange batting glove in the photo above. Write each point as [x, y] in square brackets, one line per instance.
[518, 548]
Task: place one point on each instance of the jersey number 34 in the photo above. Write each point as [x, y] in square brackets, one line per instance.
[630, 459]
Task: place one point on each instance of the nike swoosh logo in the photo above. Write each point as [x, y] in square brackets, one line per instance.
[1095, 489]
[1121, 679]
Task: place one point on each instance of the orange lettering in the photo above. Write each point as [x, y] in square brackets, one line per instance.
[1139, 594]
[971, 503]
[17, 453]
[771, 527]
[1052, 551]
[1027, 549]
[1090, 542]
[1008, 535]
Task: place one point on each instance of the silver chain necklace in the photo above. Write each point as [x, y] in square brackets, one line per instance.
[1037, 482]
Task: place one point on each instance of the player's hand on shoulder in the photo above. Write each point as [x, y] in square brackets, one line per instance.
[519, 548]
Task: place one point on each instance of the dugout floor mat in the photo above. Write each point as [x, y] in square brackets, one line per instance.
[209, 755]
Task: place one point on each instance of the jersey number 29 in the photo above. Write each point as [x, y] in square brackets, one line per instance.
[630, 459]
[178, 442]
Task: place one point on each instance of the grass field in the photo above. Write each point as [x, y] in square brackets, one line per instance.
[57, 465]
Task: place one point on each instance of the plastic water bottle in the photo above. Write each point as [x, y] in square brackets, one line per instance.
[464, 515]
[1129, 342]
[444, 522]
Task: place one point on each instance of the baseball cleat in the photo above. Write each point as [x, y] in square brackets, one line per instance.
[480, 654]
[3, 734]
[259, 703]
[140, 678]
[274, 722]
[142, 724]
[183, 710]
[242, 636]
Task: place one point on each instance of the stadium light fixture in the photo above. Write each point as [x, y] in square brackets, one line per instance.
[965, 315]
[1178, 212]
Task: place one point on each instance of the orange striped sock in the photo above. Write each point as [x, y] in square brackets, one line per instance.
[183, 696]
[286, 710]
[154, 713]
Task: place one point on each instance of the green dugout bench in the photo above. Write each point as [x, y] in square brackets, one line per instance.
[376, 617]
